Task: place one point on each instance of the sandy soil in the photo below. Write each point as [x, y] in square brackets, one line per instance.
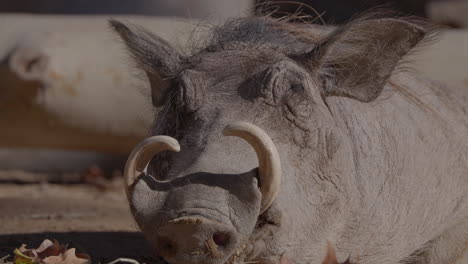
[95, 222]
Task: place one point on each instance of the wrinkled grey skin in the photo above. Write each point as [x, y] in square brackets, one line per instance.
[374, 160]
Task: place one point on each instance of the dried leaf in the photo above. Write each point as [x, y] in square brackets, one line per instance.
[22, 248]
[44, 245]
[49, 248]
[69, 257]
[50, 253]
[21, 258]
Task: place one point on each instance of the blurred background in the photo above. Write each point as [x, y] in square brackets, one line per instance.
[336, 11]
[72, 105]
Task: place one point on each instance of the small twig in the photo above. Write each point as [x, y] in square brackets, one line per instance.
[128, 260]
[3, 260]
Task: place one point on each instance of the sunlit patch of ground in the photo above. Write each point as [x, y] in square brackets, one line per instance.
[95, 222]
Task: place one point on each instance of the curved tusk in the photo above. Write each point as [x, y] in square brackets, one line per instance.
[268, 158]
[143, 153]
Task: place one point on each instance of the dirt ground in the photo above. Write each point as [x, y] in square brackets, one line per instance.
[95, 222]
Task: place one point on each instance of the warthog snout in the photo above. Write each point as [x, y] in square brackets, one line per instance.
[200, 216]
[195, 236]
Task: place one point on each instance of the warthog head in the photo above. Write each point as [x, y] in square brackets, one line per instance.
[201, 197]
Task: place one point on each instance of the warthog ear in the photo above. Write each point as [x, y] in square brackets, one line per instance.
[357, 59]
[155, 55]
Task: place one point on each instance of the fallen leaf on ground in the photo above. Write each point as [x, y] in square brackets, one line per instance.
[69, 257]
[49, 248]
[49, 253]
[21, 258]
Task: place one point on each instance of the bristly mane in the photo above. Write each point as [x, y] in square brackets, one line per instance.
[283, 35]
[262, 32]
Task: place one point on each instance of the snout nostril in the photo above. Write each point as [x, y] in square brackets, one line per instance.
[166, 247]
[221, 239]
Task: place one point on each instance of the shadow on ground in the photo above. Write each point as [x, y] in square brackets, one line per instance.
[103, 247]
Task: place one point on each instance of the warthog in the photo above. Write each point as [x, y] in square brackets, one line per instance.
[330, 144]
